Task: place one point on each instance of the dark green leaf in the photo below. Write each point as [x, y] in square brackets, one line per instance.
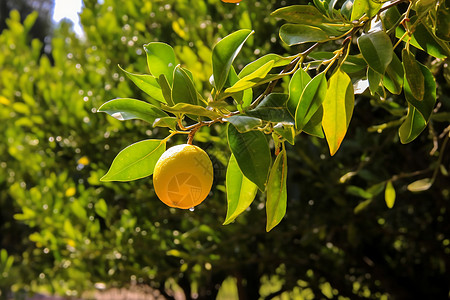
[301, 14]
[314, 125]
[240, 191]
[296, 86]
[393, 77]
[426, 106]
[377, 50]
[310, 101]
[413, 74]
[390, 17]
[244, 123]
[183, 90]
[135, 161]
[442, 29]
[190, 109]
[273, 109]
[148, 84]
[160, 60]
[293, 34]
[352, 64]
[166, 89]
[127, 109]
[252, 154]
[224, 53]
[276, 191]
[374, 79]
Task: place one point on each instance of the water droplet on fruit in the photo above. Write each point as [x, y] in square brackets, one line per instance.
[191, 209]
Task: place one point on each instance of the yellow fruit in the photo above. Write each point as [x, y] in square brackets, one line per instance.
[183, 176]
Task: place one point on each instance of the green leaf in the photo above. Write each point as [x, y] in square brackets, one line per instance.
[251, 79]
[276, 191]
[294, 34]
[322, 6]
[426, 106]
[183, 89]
[442, 29]
[359, 192]
[412, 126]
[166, 89]
[389, 194]
[413, 74]
[255, 65]
[374, 79]
[296, 86]
[301, 14]
[420, 185]
[127, 109]
[393, 77]
[148, 84]
[252, 154]
[169, 122]
[424, 39]
[368, 7]
[224, 53]
[314, 125]
[190, 109]
[310, 101]
[352, 64]
[240, 191]
[160, 60]
[337, 109]
[377, 50]
[244, 123]
[273, 109]
[362, 206]
[286, 131]
[346, 9]
[101, 208]
[135, 161]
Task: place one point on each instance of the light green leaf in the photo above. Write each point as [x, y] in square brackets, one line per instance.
[224, 53]
[286, 131]
[148, 84]
[276, 191]
[244, 123]
[312, 97]
[251, 79]
[377, 50]
[389, 194]
[420, 185]
[273, 109]
[169, 122]
[368, 7]
[126, 109]
[240, 191]
[294, 34]
[426, 106]
[296, 86]
[337, 109]
[412, 126]
[160, 60]
[413, 74]
[255, 65]
[135, 161]
[101, 208]
[252, 154]
[189, 109]
[362, 206]
[183, 89]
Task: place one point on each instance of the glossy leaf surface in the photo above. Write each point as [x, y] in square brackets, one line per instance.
[183, 90]
[160, 60]
[244, 123]
[276, 191]
[377, 50]
[273, 109]
[296, 86]
[413, 74]
[148, 84]
[135, 161]
[127, 109]
[312, 97]
[412, 126]
[190, 109]
[240, 191]
[294, 34]
[252, 154]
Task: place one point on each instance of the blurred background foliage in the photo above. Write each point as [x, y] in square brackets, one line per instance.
[62, 230]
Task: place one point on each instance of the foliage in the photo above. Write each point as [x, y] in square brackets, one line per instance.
[66, 230]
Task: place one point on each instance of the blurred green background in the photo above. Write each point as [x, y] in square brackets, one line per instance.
[64, 232]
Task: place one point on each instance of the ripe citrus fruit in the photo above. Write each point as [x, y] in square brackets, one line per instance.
[183, 176]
